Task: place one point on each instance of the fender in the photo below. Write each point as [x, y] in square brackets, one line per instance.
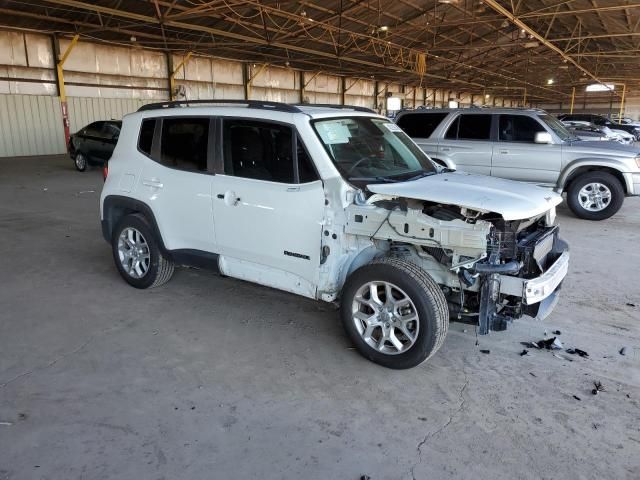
[572, 167]
[116, 206]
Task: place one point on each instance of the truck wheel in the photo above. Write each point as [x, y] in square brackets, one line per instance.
[80, 162]
[394, 313]
[137, 254]
[595, 195]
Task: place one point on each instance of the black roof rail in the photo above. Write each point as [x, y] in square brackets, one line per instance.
[277, 106]
[341, 107]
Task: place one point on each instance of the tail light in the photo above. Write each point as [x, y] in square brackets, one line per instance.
[105, 172]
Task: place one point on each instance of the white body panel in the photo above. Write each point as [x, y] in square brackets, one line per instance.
[272, 224]
[512, 200]
[182, 204]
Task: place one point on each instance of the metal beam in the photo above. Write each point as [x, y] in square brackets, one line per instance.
[60, 59]
[172, 76]
[519, 23]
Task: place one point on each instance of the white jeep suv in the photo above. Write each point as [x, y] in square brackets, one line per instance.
[335, 204]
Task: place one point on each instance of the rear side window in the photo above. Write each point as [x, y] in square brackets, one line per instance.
[519, 128]
[94, 129]
[470, 127]
[420, 125]
[183, 143]
[145, 139]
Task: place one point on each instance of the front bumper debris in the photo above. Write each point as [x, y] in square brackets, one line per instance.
[536, 289]
[505, 295]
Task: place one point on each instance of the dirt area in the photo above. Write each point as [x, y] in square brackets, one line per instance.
[209, 377]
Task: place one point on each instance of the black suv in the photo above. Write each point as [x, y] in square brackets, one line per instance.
[601, 121]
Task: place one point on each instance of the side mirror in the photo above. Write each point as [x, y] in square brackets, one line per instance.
[543, 137]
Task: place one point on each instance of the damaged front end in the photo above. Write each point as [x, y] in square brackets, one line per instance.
[522, 274]
[491, 270]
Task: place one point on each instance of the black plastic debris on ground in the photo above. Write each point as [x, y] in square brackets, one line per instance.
[557, 332]
[598, 387]
[485, 351]
[623, 351]
[629, 304]
[577, 351]
[577, 398]
[549, 343]
[524, 352]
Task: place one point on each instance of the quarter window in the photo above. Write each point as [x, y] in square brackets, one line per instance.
[183, 143]
[519, 128]
[145, 139]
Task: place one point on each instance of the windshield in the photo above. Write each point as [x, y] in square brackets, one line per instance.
[366, 148]
[559, 129]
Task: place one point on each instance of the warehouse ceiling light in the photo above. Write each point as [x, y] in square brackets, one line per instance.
[550, 81]
[599, 87]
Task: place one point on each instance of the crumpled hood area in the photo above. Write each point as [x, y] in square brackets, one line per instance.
[513, 200]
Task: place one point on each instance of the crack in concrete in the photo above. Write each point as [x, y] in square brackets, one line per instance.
[58, 358]
[430, 435]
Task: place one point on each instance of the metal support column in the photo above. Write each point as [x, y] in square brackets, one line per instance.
[60, 59]
[172, 76]
[624, 91]
[573, 98]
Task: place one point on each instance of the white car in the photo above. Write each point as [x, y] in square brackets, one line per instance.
[334, 204]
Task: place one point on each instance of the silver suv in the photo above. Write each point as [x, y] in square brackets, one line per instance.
[531, 146]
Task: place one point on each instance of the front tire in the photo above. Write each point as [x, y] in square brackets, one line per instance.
[137, 254]
[595, 195]
[80, 162]
[394, 313]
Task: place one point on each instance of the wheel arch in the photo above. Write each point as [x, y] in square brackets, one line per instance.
[575, 169]
[117, 206]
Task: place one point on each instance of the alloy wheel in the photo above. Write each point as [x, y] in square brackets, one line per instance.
[594, 197]
[133, 252]
[385, 317]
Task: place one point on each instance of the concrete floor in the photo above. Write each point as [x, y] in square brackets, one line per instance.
[209, 377]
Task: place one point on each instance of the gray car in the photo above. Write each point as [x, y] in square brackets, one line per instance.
[530, 146]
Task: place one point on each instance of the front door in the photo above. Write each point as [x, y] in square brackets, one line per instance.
[518, 157]
[268, 206]
[467, 143]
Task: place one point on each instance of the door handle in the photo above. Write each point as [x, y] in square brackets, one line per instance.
[504, 152]
[153, 183]
[293, 189]
[445, 149]
[229, 198]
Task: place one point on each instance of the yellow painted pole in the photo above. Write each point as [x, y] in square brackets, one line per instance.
[573, 98]
[624, 90]
[61, 89]
[172, 77]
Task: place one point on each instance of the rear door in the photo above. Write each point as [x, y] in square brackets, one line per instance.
[518, 157]
[176, 179]
[467, 142]
[268, 205]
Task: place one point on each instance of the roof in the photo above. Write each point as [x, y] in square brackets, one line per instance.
[492, 46]
[474, 110]
[258, 109]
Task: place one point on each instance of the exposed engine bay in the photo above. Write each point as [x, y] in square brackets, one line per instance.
[483, 263]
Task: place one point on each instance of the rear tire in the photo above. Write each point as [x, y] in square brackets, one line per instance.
[595, 195]
[394, 313]
[80, 161]
[137, 254]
